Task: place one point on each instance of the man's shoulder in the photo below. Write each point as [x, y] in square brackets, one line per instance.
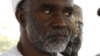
[12, 52]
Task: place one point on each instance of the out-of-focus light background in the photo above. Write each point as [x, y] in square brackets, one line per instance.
[9, 27]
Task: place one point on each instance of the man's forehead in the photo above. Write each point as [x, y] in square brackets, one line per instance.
[60, 2]
[15, 2]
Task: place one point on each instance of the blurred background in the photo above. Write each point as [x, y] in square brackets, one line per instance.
[9, 27]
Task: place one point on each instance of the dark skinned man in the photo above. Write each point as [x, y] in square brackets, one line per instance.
[47, 27]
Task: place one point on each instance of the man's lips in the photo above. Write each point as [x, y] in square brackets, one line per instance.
[58, 36]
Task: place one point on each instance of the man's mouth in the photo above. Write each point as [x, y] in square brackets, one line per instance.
[58, 37]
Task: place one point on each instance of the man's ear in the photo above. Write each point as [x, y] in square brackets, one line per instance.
[20, 16]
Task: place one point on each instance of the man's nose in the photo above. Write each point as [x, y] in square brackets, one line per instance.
[59, 21]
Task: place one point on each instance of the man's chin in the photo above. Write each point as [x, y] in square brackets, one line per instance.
[55, 49]
[56, 46]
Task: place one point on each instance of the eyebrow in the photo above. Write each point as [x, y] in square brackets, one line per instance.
[69, 8]
[47, 6]
[52, 6]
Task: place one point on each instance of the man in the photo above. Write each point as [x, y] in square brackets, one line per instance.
[47, 27]
[74, 44]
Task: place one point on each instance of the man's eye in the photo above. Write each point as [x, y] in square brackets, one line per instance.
[66, 14]
[68, 11]
[47, 11]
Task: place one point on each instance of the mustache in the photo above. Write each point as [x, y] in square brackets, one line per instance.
[59, 32]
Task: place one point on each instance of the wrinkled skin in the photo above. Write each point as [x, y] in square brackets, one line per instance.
[49, 23]
[76, 39]
[46, 26]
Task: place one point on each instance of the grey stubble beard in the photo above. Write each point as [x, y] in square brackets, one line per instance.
[45, 44]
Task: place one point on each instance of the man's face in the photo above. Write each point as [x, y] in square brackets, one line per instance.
[48, 24]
